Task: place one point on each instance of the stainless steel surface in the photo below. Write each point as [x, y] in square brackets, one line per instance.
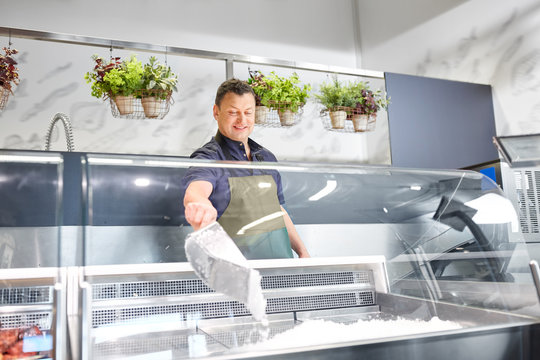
[67, 129]
[60, 311]
[166, 49]
[519, 150]
[229, 69]
[175, 305]
[222, 338]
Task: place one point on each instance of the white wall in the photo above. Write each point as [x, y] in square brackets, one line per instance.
[314, 31]
[481, 41]
[317, 31]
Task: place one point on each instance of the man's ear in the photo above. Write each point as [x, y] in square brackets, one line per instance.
[215, 110]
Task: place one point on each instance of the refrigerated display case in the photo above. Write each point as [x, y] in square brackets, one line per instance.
[405, 263]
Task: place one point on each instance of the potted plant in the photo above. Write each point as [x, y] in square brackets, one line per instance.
[117, 80]
[285, 96]
[158, 82]
[368, 103]
[337, 99]
[260, 87]
[9, 75]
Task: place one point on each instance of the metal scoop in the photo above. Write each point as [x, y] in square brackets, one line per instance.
[216, 259]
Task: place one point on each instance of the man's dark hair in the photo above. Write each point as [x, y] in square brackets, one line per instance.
[236, 86]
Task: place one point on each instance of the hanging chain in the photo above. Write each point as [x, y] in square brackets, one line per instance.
[110, 50]
[166, 51]
[9, 40]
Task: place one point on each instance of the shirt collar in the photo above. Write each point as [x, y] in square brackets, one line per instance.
[233, 144]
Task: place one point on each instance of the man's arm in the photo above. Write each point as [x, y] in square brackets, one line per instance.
[199, 211]
[296, 243]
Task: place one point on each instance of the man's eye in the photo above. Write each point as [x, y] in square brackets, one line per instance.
[233, 113]
[250, 112]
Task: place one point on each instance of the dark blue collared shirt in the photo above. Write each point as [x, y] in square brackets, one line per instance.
[218, 177]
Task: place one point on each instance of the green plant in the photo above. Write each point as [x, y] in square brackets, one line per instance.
[258, 84]
[285, 93]
[158, 77]
[334, 94]
[369, 101]
[9, 73]
[115, 77]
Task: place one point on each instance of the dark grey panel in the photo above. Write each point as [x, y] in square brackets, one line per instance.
[439, 124]
[116, 200]
[29, 194]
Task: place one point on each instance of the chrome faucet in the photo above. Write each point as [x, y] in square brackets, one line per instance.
[67, 129]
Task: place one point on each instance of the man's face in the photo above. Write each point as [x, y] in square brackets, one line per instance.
[236, 116]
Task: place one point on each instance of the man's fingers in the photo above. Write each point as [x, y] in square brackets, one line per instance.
[209, 217]
[199, 215]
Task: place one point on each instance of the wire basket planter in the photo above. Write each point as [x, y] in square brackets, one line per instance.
[4, 96]
[278, 114]
[348, 120]
[144, 104]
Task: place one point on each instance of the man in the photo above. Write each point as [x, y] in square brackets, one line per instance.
[247, 202]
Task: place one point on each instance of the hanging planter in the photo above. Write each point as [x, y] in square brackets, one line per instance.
[158, 83]
[134, 91]
[116, 80]
[9, 75]
[146, 104]
[350, 120]
[279, 101]
[350, 108]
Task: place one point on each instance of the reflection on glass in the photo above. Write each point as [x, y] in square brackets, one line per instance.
[330, 186]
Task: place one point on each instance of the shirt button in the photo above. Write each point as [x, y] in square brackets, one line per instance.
[241, 145]
[245, 155]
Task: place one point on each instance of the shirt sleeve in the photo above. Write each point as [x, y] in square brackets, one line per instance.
[195, 173]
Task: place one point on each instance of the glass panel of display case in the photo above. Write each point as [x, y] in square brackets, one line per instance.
[389, 248]
[30, 278]
[31, 193]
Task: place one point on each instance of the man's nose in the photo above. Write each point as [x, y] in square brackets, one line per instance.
[241, 118]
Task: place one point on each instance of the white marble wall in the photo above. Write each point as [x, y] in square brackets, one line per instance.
[481, 41]
[52, 74]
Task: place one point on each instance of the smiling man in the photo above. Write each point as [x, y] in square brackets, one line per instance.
[246, 202]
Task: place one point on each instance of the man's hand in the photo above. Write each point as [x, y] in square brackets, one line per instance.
[198, 210]
[199, 215]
